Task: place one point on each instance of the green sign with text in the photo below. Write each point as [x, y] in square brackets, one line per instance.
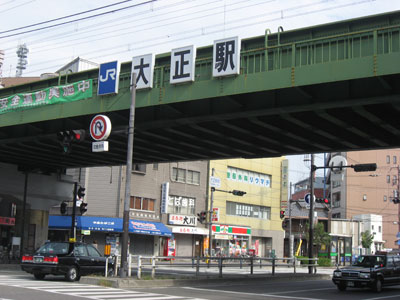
[53, 95]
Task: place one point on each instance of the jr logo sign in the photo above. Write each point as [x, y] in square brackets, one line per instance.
[108, 78]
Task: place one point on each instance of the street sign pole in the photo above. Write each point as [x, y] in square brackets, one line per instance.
[311, 218]
[129, 156]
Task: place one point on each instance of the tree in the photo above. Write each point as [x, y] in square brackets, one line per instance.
[320, 237]
[366, 239]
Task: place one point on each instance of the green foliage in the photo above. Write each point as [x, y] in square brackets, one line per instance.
[321, 237]
[304, 259]
[324, 262]
[366, 239]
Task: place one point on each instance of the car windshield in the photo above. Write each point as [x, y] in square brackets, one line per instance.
[370, 261]
[54, 248]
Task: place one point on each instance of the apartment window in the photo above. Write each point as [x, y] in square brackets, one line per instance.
[248, 210]
[384, 198]
[394, 179]
[336, 199]
[388, 159]
[336, 183]
[178, 175]
[141, 203]
[336, 216]
[394, 159]
[181, 205]
[155, 166]
[365, 197]
[140, 168]
[193, 177]
[380, 229]
[372, 227]
[387, 178]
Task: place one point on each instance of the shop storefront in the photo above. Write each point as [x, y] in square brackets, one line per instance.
[188, 239]
[145, 237]
[230, 240]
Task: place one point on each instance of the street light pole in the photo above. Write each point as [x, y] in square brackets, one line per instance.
[210, 217]
[311, 218]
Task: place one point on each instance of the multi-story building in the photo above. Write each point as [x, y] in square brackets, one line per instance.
[251, 222]
[369, 192]
[161, 194]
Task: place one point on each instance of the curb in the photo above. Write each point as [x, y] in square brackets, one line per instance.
[236, 280]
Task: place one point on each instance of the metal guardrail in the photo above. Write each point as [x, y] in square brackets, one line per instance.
[152, 263]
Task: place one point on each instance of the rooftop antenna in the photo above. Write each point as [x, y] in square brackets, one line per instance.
[22, 53]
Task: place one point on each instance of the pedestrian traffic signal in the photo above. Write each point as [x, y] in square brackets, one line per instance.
[83, 208]
[202, 217]
[282, 215]
[81, 193]
[63, 208]
[67, 137]
[238, 193]
[322, 200]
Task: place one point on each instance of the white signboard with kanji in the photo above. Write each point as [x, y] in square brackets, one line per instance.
[182, 220]
[143, 66]
[182, 64]
[226, 57]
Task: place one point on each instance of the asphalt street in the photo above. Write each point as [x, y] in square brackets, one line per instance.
[17, 285]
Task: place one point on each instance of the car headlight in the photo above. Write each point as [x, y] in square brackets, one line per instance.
[364, 275]
[337, 274]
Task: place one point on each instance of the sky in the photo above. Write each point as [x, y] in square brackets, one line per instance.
[127, 28]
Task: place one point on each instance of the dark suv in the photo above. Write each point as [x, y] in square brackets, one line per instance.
[69, 259]
[373, 271]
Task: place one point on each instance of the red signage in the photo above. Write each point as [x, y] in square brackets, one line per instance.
[7, 221]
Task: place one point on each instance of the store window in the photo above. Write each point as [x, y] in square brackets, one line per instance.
[141, 203]
[181, 205]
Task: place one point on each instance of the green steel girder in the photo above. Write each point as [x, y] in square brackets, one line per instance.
[334, 87]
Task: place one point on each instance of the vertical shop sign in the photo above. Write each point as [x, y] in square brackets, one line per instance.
[164, 197]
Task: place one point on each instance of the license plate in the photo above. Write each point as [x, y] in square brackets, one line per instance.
[38, 259]
[350, 283]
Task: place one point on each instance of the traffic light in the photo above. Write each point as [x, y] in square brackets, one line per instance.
[83, 208]
[322, 200]
[68, 137]
[81, 193]
[63, 208]
[238, 193]
[282, 214]
[202, 216]
[364, 167]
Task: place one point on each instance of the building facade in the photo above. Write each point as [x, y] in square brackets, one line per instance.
[250, 223]
[369, 192]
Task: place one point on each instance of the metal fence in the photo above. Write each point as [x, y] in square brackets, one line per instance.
[194, 265]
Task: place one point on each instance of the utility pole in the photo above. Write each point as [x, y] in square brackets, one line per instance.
[311, 218]
[72, 237]
[290, 223]
[210, 217]
[129, 157]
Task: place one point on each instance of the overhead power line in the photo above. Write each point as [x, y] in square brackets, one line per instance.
[65, 17]
[77, 20]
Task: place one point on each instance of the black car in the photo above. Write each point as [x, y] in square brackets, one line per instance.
[69, 259]
[373, 271]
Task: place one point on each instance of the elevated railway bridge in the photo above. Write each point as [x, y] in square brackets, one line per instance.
[333, 87]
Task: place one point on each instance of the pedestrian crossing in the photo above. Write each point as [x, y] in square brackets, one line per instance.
[83, 290]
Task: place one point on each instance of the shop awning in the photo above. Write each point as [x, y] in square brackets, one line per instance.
[59, 222]
[99, 224]
[147, 227]
[86, 223]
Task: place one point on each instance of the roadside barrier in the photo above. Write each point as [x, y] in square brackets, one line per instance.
[150, 264]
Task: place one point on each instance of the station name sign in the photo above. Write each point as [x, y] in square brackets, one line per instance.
[53, 95]
[226, 62]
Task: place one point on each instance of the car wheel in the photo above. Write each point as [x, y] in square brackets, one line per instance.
[72, 274]
[39, 276]
[378, 285]
[342, 286]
